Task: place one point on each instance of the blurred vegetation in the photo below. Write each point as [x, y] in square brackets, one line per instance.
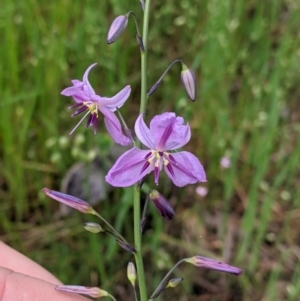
[246, 57]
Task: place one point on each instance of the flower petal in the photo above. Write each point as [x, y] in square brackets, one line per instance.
[186, 169]
[86, 80]
[114, 127]
[76, 93]
[127, 170]
[143, 133]
[117, 101]
[176, 138]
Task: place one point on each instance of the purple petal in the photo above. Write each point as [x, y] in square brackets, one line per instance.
[76, 93]
[143, 133]
[114, 127]
[86, 81]
[116, 101]
[175, 139]
[127, 170]
[186, 169]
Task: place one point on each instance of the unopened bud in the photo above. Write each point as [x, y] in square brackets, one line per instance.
[174, 282]
[140, 42]
[116, 28]
[131, 273]
[93, 227]
[207, 263]
[188, 81]
[70, 201]
[161, 204]
[126, 246]
[93, 292]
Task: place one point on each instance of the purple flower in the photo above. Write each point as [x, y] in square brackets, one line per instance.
[166, 133]
[87, 100]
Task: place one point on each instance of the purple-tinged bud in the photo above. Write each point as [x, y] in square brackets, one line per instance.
[126, 246]
[174, 282]
[116, 28]
[93, 227]
[161, 204]
[131, 273]
[70, 201]
[93, 292]
[188, 81]
[154, 87]
[140, 42]
[207, 263]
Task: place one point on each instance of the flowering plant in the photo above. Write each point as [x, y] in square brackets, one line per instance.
[157, 147]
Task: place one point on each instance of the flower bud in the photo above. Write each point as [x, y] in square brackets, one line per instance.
[207, 263]
[93, 227]
[161, 204]
[70, 201]
[93, 292]
[174, 282]
[131, 273]
[188, 81]
[126, 247]
[140, 42]
[116, 28]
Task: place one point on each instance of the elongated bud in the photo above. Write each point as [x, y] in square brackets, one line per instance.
[188, 81]
[70, 201]
[116, 28]
[126, 246]
[93, 227]
[140, 42]
[93, 292]
[154, 87]
[161, 204]
[174, 282]
[208, 263]
[131, 273]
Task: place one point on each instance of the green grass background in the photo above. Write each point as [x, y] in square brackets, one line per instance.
[246, 57]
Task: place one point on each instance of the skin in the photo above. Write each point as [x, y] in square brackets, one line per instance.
[23, 279]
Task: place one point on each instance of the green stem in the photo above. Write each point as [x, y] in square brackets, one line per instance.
[136, 190]
[114, 231]
[144, 53]
[164, 280]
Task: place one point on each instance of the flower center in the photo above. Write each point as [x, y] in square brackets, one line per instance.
[92, 107]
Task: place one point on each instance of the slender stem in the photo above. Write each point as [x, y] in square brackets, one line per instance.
[144, 53]
[136, 190]
[114, 231]
[138, 245]
[153, 297]
[135, 295]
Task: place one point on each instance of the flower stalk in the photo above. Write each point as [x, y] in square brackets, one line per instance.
[136, 189]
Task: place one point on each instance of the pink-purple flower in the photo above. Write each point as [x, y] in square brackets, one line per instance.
[87, 100]
[166, 134]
